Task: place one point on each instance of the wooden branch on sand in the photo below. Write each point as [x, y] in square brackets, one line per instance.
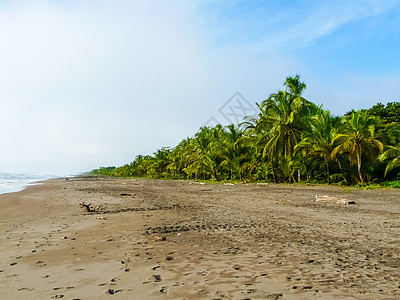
[334, 200]
[89, 208]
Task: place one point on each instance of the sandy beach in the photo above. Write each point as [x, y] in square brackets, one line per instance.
[157, 239]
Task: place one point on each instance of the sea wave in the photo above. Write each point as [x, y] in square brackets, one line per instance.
[10, 183]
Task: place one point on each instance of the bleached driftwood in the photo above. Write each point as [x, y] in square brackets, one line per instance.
[89, 208]
[334, 200]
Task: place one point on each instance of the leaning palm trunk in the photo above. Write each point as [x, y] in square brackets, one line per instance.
[273, 170]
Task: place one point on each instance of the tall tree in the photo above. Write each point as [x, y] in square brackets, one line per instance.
[294, 86]
[357, 138]
[281, 120]
[319, 141]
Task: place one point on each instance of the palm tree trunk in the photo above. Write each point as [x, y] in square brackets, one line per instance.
[359, 165]
[341, 170]
[273, 171]
[328, 175]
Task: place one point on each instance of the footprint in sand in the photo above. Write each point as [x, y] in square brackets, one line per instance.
[112, 291]
[157, 278]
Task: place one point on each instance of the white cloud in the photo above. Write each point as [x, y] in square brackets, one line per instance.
[85, 84]
[295, 25]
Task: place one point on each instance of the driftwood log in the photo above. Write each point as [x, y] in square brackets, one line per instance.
[90, 208]
[334, 200]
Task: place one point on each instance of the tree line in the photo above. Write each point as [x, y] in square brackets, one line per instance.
[290, 140]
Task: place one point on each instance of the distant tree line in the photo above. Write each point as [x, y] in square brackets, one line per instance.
[290, 140]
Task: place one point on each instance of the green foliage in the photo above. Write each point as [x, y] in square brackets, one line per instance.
[392, 184]
[355, 138]
[388, 114]
[104, 171]
[290, 140]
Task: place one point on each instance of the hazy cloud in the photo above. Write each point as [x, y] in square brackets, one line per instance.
[90, 83]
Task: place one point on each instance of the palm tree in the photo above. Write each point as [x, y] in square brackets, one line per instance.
[393, 155]
[294, 85]
[206, 157]
[281, 120]
[318, 142]
[161, 160]
[257, 134]
[230, 150]
[357, 138]
[251, 162]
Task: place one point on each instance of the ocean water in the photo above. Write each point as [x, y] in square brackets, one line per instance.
[10, 183]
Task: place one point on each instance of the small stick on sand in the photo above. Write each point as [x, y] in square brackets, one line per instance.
[89, 208]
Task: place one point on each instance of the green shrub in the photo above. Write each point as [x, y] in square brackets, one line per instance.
[392, 184]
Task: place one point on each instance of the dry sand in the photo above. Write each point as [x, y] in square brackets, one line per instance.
[176, 240]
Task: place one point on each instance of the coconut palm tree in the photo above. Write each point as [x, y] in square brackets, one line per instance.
[257, 134]
[281, 120]
[318, 141]
[230, 150]
[206, 156]
[357, 138]
[252, 161]
[161, 160]
[392, 154]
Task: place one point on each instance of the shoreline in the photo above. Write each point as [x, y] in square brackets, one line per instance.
[17, 182]
[160, 239]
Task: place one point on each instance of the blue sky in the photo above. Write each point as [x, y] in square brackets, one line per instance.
[91, 83]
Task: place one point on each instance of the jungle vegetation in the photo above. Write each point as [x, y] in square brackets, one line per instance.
[290, 140]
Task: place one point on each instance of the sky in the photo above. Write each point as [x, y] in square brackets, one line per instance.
[85, 84]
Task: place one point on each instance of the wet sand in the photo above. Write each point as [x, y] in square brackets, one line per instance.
[158, 239]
